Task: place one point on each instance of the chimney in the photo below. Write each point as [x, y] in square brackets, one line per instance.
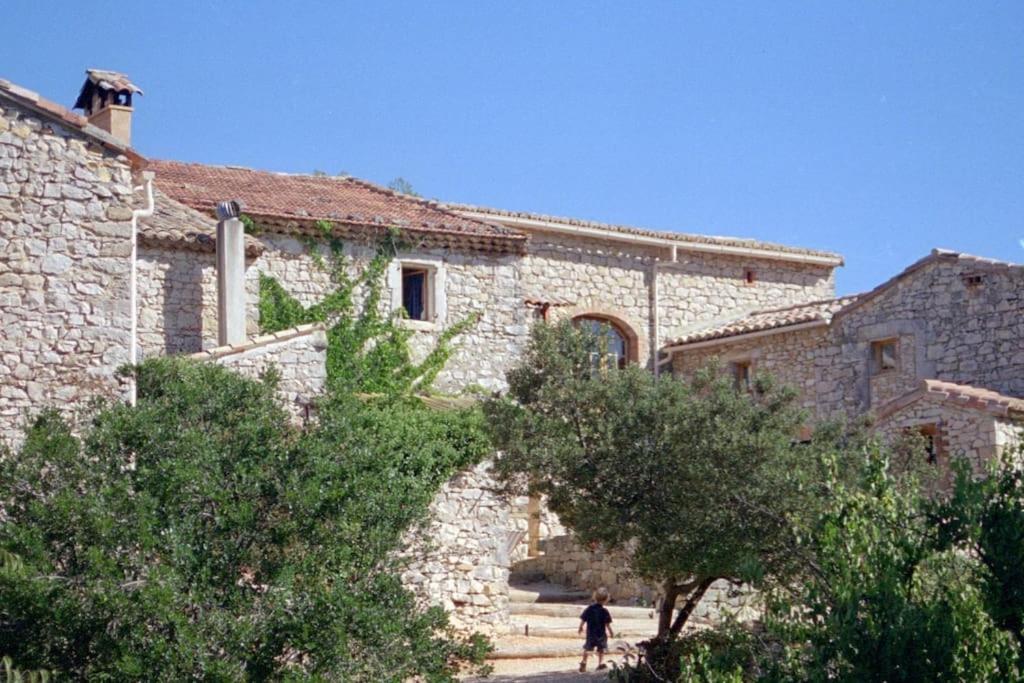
[106, 100]
[230, 274]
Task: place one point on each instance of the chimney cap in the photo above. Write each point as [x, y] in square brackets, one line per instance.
[231, 208]
[101, 79]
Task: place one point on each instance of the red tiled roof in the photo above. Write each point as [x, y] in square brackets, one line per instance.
[960, 395]
[770, 249]
[768, 319]
[64, 116]
[301, 200]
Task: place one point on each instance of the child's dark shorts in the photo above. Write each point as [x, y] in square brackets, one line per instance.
[600, 643]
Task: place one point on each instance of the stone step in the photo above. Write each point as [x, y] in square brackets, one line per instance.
[632, 630]
[545, 592]
[555, 609]
[526, 576]
[544, 648]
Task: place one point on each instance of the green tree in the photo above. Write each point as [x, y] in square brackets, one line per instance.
[696, 479]
[886, 601]
[200, 535]
[402, 185]
[984, 517]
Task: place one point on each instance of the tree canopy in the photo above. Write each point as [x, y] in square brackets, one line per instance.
[697, 479]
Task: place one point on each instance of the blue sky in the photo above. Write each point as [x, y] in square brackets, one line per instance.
[878, 130]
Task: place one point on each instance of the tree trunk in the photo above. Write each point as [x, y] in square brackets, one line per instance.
[691, 604]
[668, 605]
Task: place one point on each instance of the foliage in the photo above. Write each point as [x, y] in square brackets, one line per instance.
[899, 588]
[200, 535]
[402, 185]
[249, 225]
[985, 516]
[368, 347]
[698, 480]
[885, 601]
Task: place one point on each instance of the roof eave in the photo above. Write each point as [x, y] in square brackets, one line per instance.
[743, 336]
[525, 223]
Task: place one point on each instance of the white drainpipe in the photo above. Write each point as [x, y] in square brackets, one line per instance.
[133, 355]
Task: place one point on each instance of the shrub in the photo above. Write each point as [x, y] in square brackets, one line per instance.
[200, 535]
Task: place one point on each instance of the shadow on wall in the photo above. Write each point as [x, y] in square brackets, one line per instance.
[183, 302]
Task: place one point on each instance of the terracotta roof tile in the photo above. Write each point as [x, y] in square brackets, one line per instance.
[681, 237]
[962, 395]
[305, 199]
[175, 226]
[768, 319]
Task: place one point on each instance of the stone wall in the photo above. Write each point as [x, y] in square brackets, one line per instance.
[614, 279]
[177, 295]
[801, 359]
[298, 355]
[948, 329]
[65, 231]
[568, 563]
[460, 560]
[944, 327]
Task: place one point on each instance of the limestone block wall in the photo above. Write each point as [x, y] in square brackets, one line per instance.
[960, 433]
[177, 297]
[65, 212]
[945, 330]
[702, 287]
[614, 279]
[568, 563]
[801, 359]
[460, 561]
[478, 284]
[298, 354]
[597, 277]
[949, 329]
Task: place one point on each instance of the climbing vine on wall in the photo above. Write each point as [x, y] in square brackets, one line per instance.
[367, 346]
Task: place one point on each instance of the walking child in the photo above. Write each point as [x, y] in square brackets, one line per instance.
[598, 621]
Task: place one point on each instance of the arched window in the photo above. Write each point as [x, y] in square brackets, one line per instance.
[614, 340]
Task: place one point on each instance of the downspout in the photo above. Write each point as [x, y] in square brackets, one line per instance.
[655, 318]
[133, 354]
[655, 333]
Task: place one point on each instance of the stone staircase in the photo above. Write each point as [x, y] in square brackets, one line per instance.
[543, 644]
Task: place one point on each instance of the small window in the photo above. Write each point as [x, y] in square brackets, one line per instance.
[749, 276]
[415, 292]
[930, 438]
[741, 374]
[972, 280]
[883, 355]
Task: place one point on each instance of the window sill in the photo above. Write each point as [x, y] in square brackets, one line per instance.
[419, 325]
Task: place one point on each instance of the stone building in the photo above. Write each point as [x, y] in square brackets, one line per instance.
[938, 349]
[107, 257]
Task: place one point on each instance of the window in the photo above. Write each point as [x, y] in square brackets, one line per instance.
[741, 374]
[415, 292]
[930, 438]
[972, 280]
[921, 439]
[883, 355]
[749, 276]
[614, 351]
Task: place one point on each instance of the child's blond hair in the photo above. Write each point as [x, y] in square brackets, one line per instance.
[601, 595]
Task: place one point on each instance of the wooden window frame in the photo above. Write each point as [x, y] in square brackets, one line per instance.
[427, 290]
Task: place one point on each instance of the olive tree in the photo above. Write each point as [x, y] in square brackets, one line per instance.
[699, 480]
